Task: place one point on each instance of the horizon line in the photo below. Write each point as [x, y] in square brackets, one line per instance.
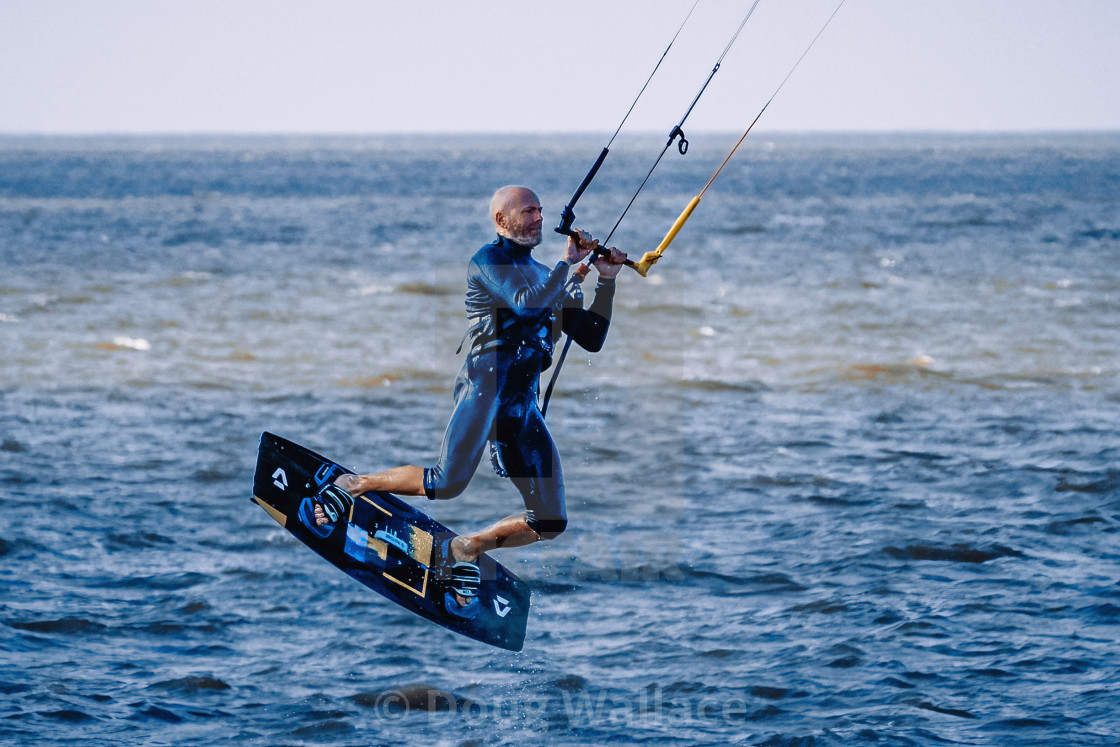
[539, 133]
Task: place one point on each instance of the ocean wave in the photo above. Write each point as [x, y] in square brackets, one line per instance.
[1100, 234]
[755, 582]
[12, 446]
[191, 684]
[69, 715]
[716, 385]
[413, 697]
[1090, 484]
[176, 581]
[406, 377]
[1064, 527]
[136, 540]
[743, 229]
[427, 289]
[60, 626]
[890, 373]
[957, 553]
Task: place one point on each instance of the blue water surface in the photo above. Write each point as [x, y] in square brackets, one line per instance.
[848, 470]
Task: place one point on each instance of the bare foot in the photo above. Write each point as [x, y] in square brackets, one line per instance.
[349, 483]
[331, 504]
[463, 550]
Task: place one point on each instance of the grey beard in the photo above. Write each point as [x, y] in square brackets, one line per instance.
[527, 239]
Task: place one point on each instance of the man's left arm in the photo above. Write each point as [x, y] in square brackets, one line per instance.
[588, 327]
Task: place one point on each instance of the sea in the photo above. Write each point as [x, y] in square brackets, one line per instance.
[847, 470]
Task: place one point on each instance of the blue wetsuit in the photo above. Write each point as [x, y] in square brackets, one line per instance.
[513, 304]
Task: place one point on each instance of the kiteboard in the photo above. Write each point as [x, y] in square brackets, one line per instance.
[387, 545]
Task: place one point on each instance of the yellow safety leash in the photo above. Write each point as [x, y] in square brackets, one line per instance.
[650, 258]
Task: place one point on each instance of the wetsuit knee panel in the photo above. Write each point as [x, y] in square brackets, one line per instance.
[547, 529]
[441, 485]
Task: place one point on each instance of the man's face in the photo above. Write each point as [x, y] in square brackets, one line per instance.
[523, 218]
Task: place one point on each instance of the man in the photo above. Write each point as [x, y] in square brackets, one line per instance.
[517, 307]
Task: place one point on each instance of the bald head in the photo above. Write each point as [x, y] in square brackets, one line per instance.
[509, 196]
[516, 213]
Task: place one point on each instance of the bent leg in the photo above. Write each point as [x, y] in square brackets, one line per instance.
[407, 480]
[534, 467]
[512, 531]
[533, 462]
[464, 441]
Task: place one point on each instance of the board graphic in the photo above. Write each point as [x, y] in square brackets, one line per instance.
[387, 545]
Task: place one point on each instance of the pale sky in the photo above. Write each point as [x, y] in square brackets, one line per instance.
[375, 66]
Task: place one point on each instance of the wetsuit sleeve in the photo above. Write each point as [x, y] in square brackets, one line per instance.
[511, 292]
[588, 327]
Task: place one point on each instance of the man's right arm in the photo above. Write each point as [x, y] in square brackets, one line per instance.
[507, 285]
